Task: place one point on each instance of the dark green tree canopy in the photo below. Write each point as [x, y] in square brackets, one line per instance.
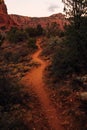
[75, 9]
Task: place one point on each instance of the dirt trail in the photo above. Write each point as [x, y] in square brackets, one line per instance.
[35, 77]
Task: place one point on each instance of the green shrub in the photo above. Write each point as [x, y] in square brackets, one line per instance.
[71, 57]
[3, 28]
[1, 39]
[32, 43]
[12, 57]
[39, 30]
[76, 84]
[53, 29]
[15, 35]
[12, 103]
[31, 32]
[34, 31]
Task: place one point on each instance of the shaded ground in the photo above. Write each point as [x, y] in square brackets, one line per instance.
[35, 78]
[15, 59]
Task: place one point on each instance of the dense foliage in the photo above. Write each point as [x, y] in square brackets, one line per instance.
[31, 43]
[34, 31]
[1, 39]
[12, 104]
[53, 29]
[72, 55]
[75, 9]
[15, 35]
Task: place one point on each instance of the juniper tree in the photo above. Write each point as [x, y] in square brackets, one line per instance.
[75, 9]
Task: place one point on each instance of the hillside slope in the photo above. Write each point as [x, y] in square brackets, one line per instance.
[24, 21]
[7, 20]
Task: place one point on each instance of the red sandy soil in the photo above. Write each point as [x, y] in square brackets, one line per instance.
[35, 78]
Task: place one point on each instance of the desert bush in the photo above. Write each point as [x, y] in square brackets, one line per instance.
[64, 93]
[34, 31]
[52, 29]
[13, 101]
[31, 32]
[64, 63]
[1, 39]
[76, 84]
[15, 35]
[3, 28]
[10, 94]
[12, 57]
[50, 45]
[7, 56]
[72, 55]
[32, 43]
[39, 30]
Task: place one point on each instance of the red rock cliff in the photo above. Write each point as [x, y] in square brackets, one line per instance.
[5, 20]
[3, 8]
[23, 21]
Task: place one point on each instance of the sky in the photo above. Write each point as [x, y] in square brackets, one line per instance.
[34, 8]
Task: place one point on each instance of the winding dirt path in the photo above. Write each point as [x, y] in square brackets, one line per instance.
[35, 77]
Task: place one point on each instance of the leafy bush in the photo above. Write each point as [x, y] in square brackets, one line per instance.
[65, 62]
[10, 94]
[76, 84]
[32, 43]
[1, 39]
[15, 35]
[3, 28]
[31, 32]
[52, 29]
[71, 57]
[12, 103]
[39, 30]
[34, 31]
[13, 57]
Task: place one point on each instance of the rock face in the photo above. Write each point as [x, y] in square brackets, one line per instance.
[24, 21]
[3, 8]
[5, 20]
